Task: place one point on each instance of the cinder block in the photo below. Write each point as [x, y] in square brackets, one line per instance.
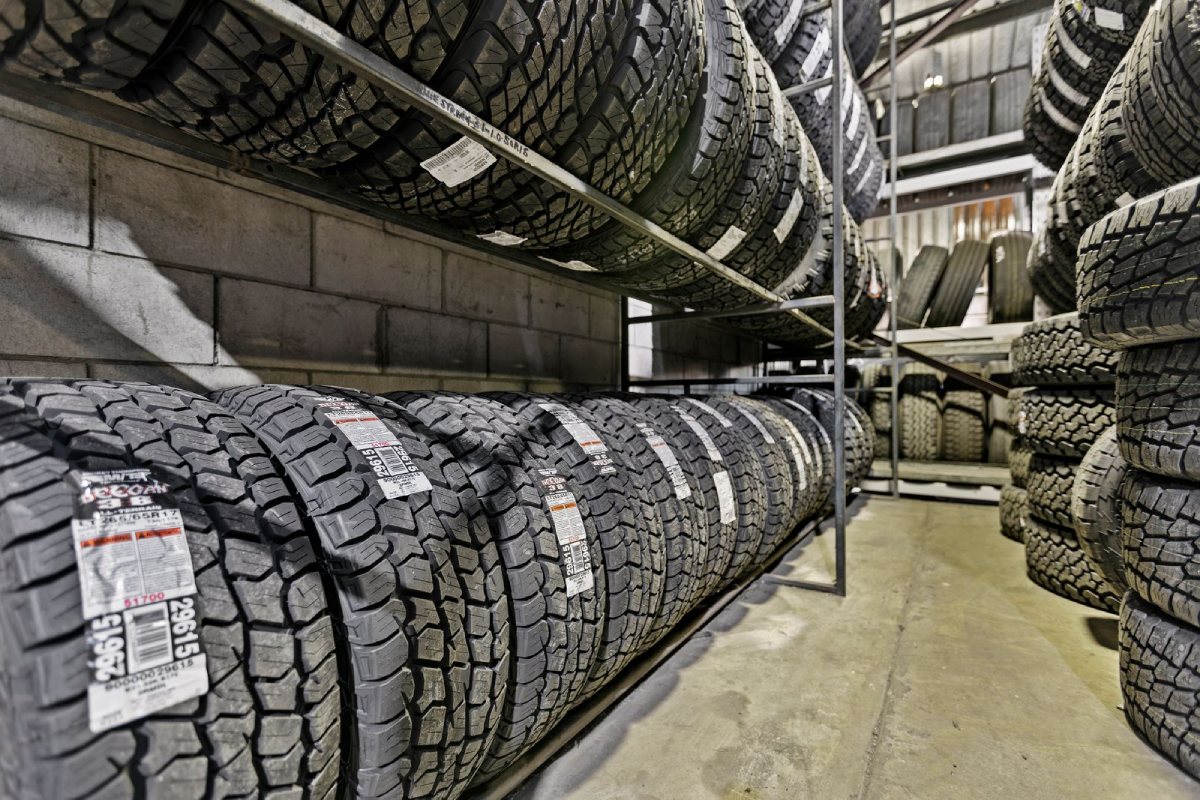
[44, 183]
[274, 326]
[522, 351]
[367, 262]
[195, 377]
[558, 307]
[165, 214]
[589, 362]
[42, 369]
[604, 317]
[64, 302]
[377, 384]
[419, 341]
[482, 290]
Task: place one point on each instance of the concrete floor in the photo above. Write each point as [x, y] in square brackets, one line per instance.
[945, 673]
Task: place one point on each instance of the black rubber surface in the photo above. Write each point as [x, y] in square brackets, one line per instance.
[1051, 273]
[96, 45]
[1160, 670]
[920, 412]
[554, 635]
[1120, 174]
[1096, 508]
[964, 269]
[1053, 352]
[1161, 550]
[919, 284]
[1019, 456]
[964, 435]
[1158, 409]
[1050, 484]
[631, 541]
[1014, 505]
[1138, 271]
[417, 584]
[1064, 422]
[265, 617]
[820, 445]
[1054, 561]
[1010, 294]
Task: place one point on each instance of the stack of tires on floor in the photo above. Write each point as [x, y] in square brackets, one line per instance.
[1065, 407]
[667, 107]
[939, 285]
[315, 591]
[941, 418]
[1088, 68]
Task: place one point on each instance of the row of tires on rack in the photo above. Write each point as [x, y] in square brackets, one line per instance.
[365, 596]
[940, 284]
[670, 108]
[1136, 113]
[1112, 483]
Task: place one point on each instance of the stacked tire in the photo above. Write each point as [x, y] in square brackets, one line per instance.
[1138, 294]
[372, 596]
[1066, 408]
[1083, 45]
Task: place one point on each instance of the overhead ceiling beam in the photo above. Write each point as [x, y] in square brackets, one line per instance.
[926, 36]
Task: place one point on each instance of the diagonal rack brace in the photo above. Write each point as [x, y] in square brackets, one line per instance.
[310, 31]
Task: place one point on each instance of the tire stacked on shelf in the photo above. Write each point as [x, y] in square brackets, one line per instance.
[1083, 45]
[1138, 294]
[808, 57]
[919, 284]
[964, 423]
[959, 280]
[1067, 407]
[1010, 294]
[920, 412]
[876, 392]
[385, 596]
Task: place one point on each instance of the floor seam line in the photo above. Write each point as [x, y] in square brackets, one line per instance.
[877, 731]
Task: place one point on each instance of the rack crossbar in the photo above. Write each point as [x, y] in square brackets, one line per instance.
[764, 380]
[810, 86]
[821, 301]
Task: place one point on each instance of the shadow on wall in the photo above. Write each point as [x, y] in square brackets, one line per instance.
[81, 305]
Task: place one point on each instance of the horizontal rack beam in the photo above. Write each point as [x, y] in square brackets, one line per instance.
[821, 301]
[765, 380]
[811, 86]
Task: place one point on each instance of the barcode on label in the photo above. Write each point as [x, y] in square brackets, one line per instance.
[395, 472]
[149, 637]
[459, 162]
[572, 541]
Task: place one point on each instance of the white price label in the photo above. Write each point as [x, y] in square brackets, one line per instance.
[459, 162]
[755, 421]
[502, 238]
[569, 531]
[587, 439]
[667, 456]
[725, 497]
[709, 445]
[783, 228]
[725, 421]
[394, 469]
[729, 241]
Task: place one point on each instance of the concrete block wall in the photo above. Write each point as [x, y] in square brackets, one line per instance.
[119, 260]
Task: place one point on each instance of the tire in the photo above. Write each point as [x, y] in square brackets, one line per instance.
[1048, 128]
[761, 429]
[1054, 561]
[556, 627]
[1158, 409]
[964, 269]
[273, 684]
[1160, 547]
[685, 191]
[1010, 294]
[920, 413]
[963, 429]
[747, 232]
[1137, 271]
[99, 46]
[745, 469]
[721, 537]
[1160, 669]
[1053, 352]
[919, 285]
[434, 600]
[820, 445]
[1161, 109]
[1096, 509]
[1049, 485]
[1064, 422]
[772, 24]
[1119, 173]
[859, 434]
[684, 527]
[631, 541]
[1019, 458]
[1052, 277]
[865, 36]
[1014, 503]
